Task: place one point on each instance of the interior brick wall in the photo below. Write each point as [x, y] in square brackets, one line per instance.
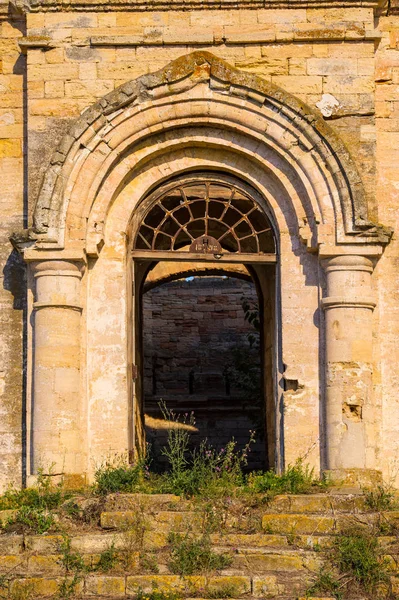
[191, 330]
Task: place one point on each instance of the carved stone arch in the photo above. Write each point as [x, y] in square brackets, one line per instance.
[201, 90]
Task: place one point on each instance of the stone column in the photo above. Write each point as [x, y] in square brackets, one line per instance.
[349, 414]
[56, 400]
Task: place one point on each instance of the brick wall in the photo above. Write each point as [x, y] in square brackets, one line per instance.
[192, 330]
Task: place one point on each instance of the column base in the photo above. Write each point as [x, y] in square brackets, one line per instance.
[354, 478]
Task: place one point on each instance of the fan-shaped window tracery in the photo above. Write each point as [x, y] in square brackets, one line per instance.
[206, 215]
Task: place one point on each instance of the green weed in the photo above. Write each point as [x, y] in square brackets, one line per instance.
[116, 475]
[380, 498]
[73, 562]
[228, 590]
[296, 479]
[358, 554]
[190, 556]
[326, 582]
[156, 594]
[67, 588]
[107, 560]
[205, 471]
[44, 496]
[31, 520]
[149, 562]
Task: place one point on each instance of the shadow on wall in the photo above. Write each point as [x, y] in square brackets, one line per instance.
[15, 282]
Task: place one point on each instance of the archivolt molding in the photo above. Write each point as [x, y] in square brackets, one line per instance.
[214, 104]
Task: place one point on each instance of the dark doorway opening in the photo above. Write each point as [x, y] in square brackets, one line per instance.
[202, 354]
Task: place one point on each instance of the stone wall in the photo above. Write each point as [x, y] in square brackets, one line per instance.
[12, 268]
[343, 62]
[194, 332]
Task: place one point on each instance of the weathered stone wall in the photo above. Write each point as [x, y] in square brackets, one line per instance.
[12, 268]
[341, 61]
[386, 374]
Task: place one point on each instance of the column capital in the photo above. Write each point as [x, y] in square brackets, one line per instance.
[347, 262]
[65, 268]
[348, 279]
[58, 283]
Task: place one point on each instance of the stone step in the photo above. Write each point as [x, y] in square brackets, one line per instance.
[318, 524]
[312, 503]
[245, 561]
[95, 543]
[120, 586]
[318, 503]
[272, 522]
[162, 521]
[120, 502]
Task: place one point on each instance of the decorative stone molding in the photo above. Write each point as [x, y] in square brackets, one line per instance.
[295, 130]
[142, 5]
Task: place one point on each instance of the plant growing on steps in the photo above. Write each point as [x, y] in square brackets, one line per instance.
[190, 555]
[358, 554]
[357, 567]
[298, 478]
[156, 594]
[44, 496]
[380, 498]
[116, 475]
[204, 471]
[326, 582]
[31, 520]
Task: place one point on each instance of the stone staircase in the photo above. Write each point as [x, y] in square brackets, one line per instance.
[275, 550]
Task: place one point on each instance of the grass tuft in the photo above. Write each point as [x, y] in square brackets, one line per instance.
[191, 556]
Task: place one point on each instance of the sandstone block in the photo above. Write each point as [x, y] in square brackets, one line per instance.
[9, 149]
[42, 587]
[240, 583]
[304, 84]
[331, 66]
[11, 131]
[12, 563]
[54, 89]
[298, 524]
[105, 586]
[164, 583]
[54, 72]
[49, 565]
[267, 586]
[11, 544]
[43, 544]
[261, 563]
[340, 84]
[54, 56]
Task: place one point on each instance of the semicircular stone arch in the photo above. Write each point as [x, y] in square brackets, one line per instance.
[199, 90]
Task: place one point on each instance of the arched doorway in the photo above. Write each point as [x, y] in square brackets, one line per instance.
[211, 220]
[199, 115]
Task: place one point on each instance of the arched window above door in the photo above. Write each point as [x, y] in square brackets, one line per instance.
[205, 213]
